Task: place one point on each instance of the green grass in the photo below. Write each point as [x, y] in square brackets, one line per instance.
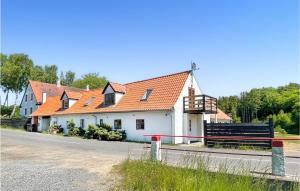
[12, 128]
[151, 175]
[277, 135]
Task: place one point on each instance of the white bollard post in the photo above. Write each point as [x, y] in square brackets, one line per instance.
[155, 148]
[277, 158]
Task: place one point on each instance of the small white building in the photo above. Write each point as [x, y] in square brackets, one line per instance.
[170, 105]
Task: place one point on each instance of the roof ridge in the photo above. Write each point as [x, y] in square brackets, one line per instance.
[55, 84]
[158, 77]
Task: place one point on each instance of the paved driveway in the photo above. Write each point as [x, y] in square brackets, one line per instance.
[34, 161]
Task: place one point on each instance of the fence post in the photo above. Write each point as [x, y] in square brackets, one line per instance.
[155, 148]
[277, 158]
[205, 131]
[271, 126]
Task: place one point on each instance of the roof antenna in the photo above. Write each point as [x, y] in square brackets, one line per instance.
[193, 68]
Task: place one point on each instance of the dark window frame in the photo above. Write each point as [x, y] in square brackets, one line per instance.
[101, 122]
[31, 110]
[31, 97]
[65, 103]
[26, 98]
[82, 123]
[117, 124]
[190, 125]
[110, 99]
[25, 111]
[140, 124]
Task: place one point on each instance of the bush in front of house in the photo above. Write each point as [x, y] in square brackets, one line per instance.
[91, 132]
[73, 130]
[105, 126]
[114, 136]
[54, 129]
[104, 132]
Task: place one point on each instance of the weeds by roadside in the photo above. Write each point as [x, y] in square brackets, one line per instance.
[192, 173]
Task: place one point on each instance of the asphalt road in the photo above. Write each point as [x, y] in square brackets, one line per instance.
[34, 161]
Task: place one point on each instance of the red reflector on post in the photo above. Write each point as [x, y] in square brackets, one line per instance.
[155, 138]
[277, 143]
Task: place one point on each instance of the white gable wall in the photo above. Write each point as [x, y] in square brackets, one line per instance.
[182, 119]
[29, 103]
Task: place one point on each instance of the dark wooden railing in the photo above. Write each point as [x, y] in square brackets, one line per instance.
[200, 104]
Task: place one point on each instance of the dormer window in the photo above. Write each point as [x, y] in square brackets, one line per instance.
[109, 99]
[146, 95]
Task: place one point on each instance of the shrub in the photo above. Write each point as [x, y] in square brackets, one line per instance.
[280, 130]
[74, 131]
[102, 133]
[91, 132]
[54, 128]
[106, 126]
[114, 136]
[123, 133]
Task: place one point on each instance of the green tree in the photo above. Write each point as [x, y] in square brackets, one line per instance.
[50, 74]
[68, 78]
[15, 72]
[92, 79]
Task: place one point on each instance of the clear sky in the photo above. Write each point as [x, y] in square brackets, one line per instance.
[237, 44]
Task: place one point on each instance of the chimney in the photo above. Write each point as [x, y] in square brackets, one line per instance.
[44, 97]
[58, 84]
[87, 87]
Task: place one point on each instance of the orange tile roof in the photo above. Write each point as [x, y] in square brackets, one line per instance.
[165, 92]
[221, 115]
[73, 94]
[116, 87]
[51, 89]
[51, 106]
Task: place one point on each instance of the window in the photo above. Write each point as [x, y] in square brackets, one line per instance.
[190, 125]
[101, 121]
[118, 124]
[146, 95]
[25, 111]
[31, 96]
[82, 123]
[140, 124]
[110, 99]
[65, 104]
[89, 101]
[31, 110]
[25, 97]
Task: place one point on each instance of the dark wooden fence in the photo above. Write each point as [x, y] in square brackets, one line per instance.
[17, 123]
[239, 129]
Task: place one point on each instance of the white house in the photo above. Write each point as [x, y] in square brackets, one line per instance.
[171, 105]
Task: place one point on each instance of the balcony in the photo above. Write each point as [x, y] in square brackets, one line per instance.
[200, 104]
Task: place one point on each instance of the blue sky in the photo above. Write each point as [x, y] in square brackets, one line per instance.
[237, 44]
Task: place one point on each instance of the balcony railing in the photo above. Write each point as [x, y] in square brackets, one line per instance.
[200, 104]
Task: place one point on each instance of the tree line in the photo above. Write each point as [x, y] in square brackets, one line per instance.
[18, 69]
[259, 104]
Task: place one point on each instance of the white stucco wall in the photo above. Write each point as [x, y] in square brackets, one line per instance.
[182, 119]
[155, 122]
[29, 103]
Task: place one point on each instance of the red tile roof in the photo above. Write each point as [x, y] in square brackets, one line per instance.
[73, 94]
[165, 93]
[51, 89]
[51, 106]
[221, 115]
